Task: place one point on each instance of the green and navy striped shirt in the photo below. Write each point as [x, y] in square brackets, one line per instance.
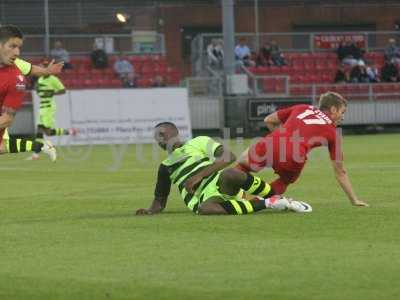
[184, 162]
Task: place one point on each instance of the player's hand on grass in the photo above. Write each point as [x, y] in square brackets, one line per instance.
[55, 68]
[360, 203]
[192, 183]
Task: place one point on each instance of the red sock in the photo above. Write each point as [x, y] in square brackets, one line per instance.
[278, 186]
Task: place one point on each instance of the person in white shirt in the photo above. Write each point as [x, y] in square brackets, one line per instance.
[243, 54]
[59, 54]
[125, 71]
[215, 54]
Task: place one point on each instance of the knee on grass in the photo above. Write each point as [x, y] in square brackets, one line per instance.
[211, 208]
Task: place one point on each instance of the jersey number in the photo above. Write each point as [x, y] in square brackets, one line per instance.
[313, 119]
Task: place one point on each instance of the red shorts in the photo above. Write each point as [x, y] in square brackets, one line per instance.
[266, 153]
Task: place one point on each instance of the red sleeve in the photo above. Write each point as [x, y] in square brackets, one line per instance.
[15, 93]
[283, 114]
[335, 145]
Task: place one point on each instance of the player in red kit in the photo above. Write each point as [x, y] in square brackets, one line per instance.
[12, 86]
[295, 131]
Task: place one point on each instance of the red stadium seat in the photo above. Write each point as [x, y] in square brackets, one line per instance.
[260, 70]
[304, 91]
[253, 70]
[309, 65]
[115, 83]
[144, 82]
[148, 71]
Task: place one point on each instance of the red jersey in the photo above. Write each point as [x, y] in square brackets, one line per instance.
[12, 87]
[304, 127]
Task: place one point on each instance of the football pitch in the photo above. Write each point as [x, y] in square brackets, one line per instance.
[68, 231]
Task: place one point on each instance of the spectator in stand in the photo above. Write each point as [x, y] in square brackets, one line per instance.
[276, 54]
[372, 72]
[392, 52]
[341, 51]
[125, 71]
[159, 81]
[58, 53]
[342, 74]
[389, 72]
[358, 73]
[264, 56]
[348, 53]
[99, 57]
[215, 54]
[243, 54]
[357, 52]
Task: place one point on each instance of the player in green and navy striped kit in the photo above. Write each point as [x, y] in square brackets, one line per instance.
[47, 87]
[197, 168]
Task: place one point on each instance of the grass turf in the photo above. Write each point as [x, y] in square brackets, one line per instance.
[67, 231]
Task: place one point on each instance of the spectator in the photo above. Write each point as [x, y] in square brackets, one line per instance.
[264, 56]
[243, 54]
[356, 52]
[358, 73]
[389, 72]
[392, 52]
[276, 54]
[348, 53]
[342, 74]
[215, 54]
[125, 71]
[58, 53]
[99, 58]
[159, 81]
[341, 51]
[372, 72]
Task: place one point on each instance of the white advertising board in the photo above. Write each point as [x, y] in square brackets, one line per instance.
[118, 116]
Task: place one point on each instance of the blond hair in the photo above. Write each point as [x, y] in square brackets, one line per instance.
[329, 99]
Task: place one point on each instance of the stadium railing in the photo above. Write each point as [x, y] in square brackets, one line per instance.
[80, 44]
[299, 42]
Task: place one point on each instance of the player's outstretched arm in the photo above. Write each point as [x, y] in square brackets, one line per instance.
[344, 181]
[60, 92]
[52, 69]
[272, 121]
[161, 192]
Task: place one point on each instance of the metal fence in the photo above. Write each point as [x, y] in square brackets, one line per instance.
[83, 43]
[294, 42]
[369, 104]
[206, 102]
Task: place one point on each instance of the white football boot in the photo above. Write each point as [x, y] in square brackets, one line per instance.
[299, 206]
[50, 150]
[280, 203]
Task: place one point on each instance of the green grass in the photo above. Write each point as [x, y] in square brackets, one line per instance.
[68, 231]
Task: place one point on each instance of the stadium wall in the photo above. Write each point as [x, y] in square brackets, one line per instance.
[274, 19]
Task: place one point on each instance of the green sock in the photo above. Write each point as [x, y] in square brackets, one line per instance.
[243, 207]
[15, 145]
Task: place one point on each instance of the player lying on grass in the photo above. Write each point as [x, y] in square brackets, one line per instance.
[12, 87]
[197, 168]
[295, 131]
